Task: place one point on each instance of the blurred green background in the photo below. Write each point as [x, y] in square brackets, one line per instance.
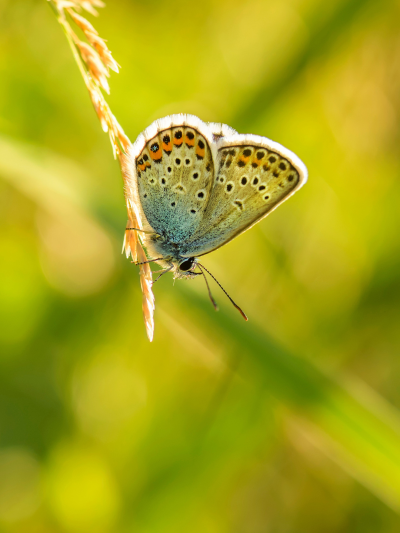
[289, 423]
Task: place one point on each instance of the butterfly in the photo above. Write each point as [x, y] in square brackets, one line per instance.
[196, 186]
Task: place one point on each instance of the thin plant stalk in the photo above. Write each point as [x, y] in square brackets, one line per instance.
[94, 61]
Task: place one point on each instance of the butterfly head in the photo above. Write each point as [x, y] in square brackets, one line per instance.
[187, 264]
[185, 268]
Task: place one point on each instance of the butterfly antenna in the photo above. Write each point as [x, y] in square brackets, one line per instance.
[218, 283]
[208, 288]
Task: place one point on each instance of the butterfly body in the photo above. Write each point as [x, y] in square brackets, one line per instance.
[197, 186]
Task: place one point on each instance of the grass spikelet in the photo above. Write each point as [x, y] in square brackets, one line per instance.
[83, 23]
[94, 60]
[146, 282]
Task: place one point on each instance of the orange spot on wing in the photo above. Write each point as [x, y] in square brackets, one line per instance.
[243, 160]
[189, 142]
[167, 146]
[200, 151]
[142, 167]
[156, 155]
[178, 142]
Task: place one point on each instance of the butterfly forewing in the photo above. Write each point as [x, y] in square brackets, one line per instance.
[175, 173]
[250, 181]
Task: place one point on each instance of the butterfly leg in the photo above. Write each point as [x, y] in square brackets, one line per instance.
[142, 230]
[162, 272]
[149, 261]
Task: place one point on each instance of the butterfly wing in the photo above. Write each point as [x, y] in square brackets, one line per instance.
[254, 175]
[169, 175]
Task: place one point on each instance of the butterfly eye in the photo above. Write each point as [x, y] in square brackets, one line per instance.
[187, 264]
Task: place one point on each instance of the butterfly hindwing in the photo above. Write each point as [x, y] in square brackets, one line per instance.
[254, 175]
[175, 174]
